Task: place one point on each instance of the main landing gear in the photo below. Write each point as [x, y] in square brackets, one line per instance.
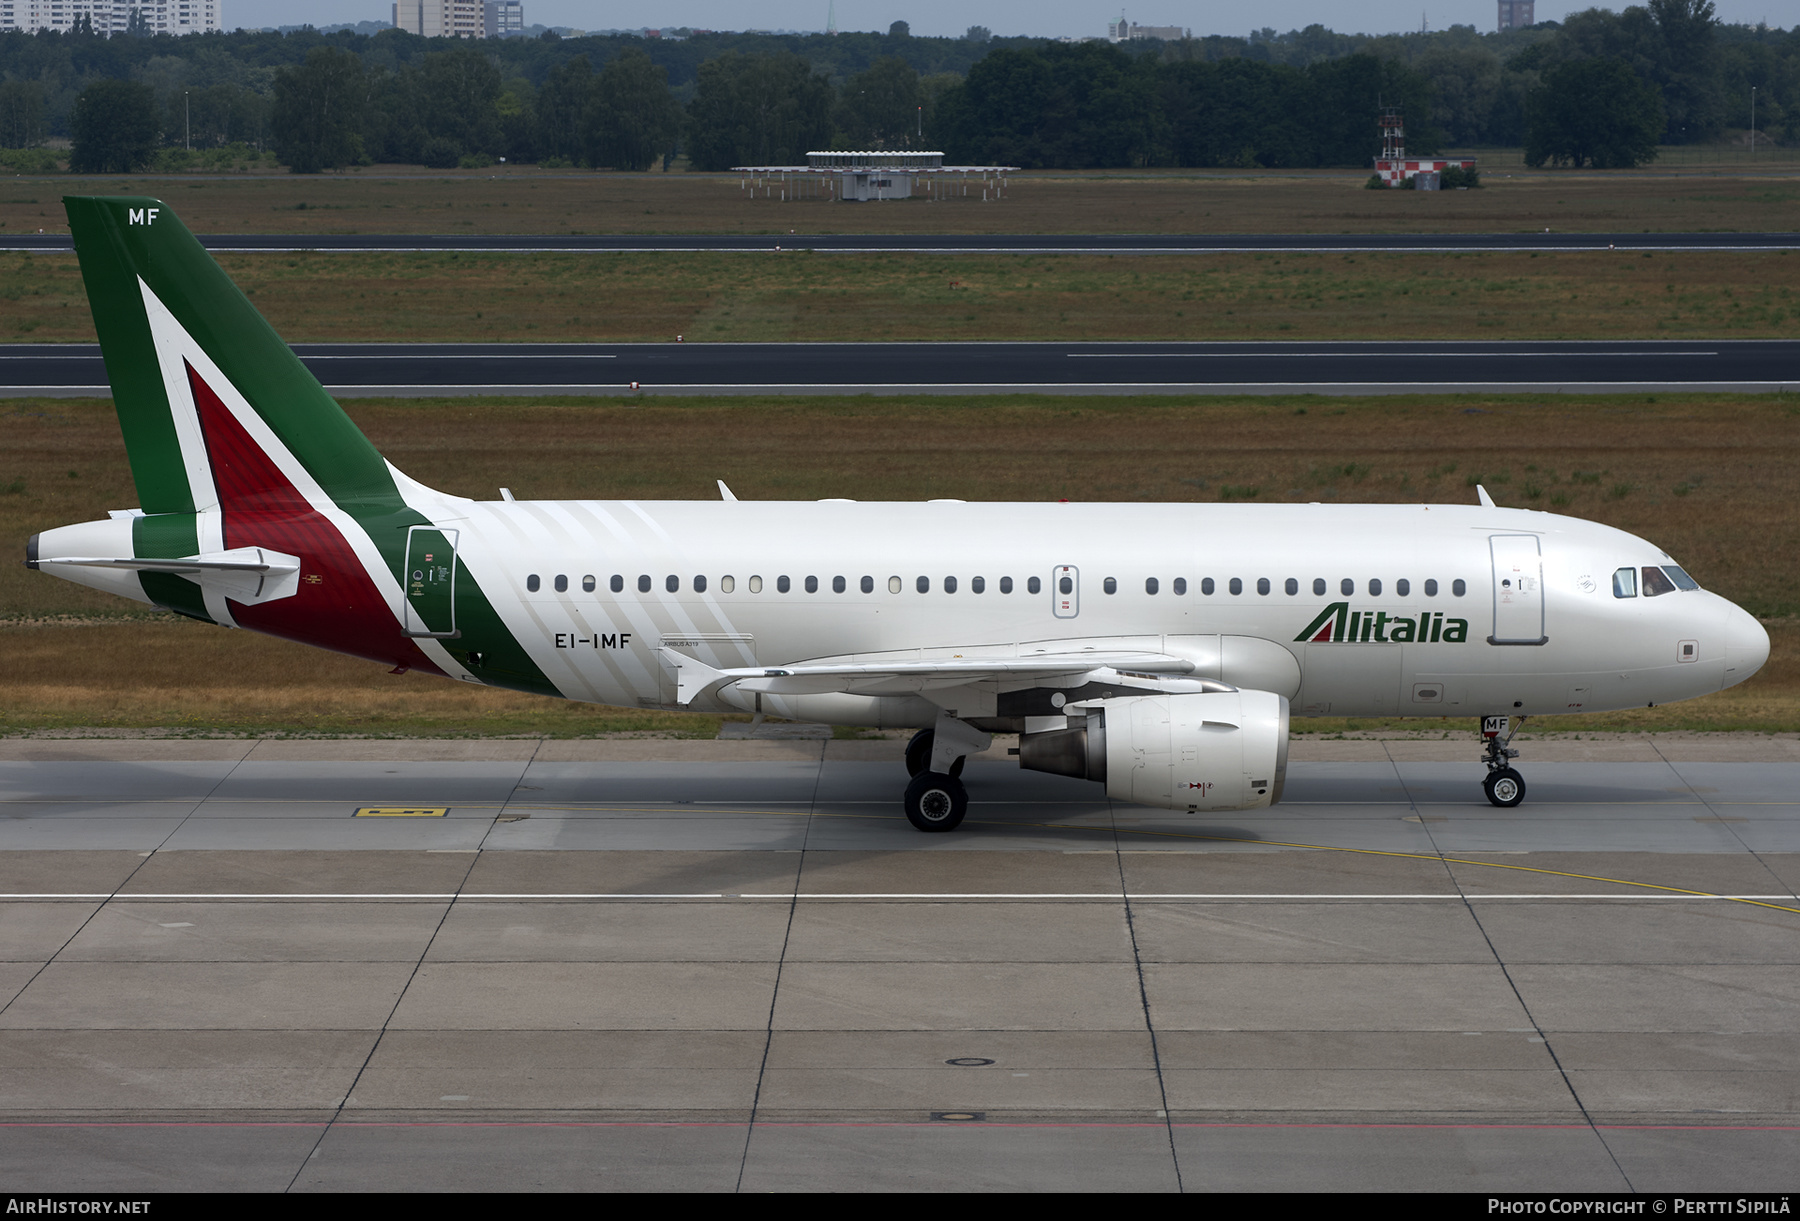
[1504, 786]
[935, 801]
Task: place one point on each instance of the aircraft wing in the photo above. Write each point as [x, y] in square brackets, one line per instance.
[903, 677]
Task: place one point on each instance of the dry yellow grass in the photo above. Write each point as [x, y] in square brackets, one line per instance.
[1710, 478]
[527, 200]
[840, 297]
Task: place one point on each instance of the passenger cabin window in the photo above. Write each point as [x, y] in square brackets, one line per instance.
[924, 585]
[1459, 587]
[1179, 585]
[949, 585]
[1403, 587]
[1262, 586]
[562, 583]
[1150, 585]
[1346, 587]
[644, 583]
[587, 585]
[978, 585]
[1375, 587]
[1292, 587]
[894, 585]
[727, 584]
[1110, 585]
[1207, 586]
[617, 583]
[699, 585]
[672, 583]
[1237, 585]
[1033, 585]
[782, 585]
[1431, 587]
[1656, 582]
[755, 585]
[837, 585]
[812, 585]
[531, 583]
[1005, 585]
[868, 585]
[1319, 587]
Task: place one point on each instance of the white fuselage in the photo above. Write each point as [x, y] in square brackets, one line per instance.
[1597, 651]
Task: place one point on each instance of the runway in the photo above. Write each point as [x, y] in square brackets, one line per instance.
[413, 370]
[959, 243]
[732, 965]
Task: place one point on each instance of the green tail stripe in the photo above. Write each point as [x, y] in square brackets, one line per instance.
[122, 239]
[168, 536]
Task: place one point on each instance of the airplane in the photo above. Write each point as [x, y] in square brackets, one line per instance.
[1159, 649]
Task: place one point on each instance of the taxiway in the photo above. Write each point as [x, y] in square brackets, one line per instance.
[732, 965]
[422, 370]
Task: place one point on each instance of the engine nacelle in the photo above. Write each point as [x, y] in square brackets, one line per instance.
[1201, 751]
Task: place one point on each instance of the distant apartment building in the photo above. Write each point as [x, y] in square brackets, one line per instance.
[1517, 14]
[1124, 31]
[111, 16]
[499, 18]
[438, 18]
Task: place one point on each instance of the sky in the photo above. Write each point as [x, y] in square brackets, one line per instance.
[1050, 18]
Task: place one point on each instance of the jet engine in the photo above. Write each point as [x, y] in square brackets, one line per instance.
[1216, 750]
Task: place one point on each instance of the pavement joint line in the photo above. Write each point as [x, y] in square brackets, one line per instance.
[1675, 767]
[1452, 860]
[958, 896]
[1451, 1125]
[1137, 961]
[1506, 971]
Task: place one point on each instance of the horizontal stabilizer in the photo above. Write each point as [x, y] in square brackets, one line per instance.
[250, 575]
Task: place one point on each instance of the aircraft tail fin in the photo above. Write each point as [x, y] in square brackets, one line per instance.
[217, 411]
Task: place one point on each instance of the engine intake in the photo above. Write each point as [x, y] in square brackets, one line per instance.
[1198, 751]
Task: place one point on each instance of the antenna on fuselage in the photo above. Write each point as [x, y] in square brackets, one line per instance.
[1487, 502]
[725, 492]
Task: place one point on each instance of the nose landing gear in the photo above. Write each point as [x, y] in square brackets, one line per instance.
[1503, 784]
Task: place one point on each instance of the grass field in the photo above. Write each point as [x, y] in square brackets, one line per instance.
[826, 297]
[400, 200]
[1710, 478]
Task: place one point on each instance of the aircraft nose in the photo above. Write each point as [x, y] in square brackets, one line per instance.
[1746, 645]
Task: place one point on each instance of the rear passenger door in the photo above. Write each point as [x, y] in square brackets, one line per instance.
[1065, 591]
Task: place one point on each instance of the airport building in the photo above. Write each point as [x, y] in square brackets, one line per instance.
[871, 175]
[109, 17]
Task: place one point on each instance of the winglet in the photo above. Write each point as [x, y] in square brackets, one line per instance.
[1487, 502]
[725, 493]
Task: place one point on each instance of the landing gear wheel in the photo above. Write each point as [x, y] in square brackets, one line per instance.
[1504, 787]
[918, 752]
[936, 802]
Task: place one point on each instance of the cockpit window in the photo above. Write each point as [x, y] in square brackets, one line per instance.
[1679, 575]
[1656, 582]
[1625, 583]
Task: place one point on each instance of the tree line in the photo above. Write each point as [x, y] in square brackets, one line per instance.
[1599, 88]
